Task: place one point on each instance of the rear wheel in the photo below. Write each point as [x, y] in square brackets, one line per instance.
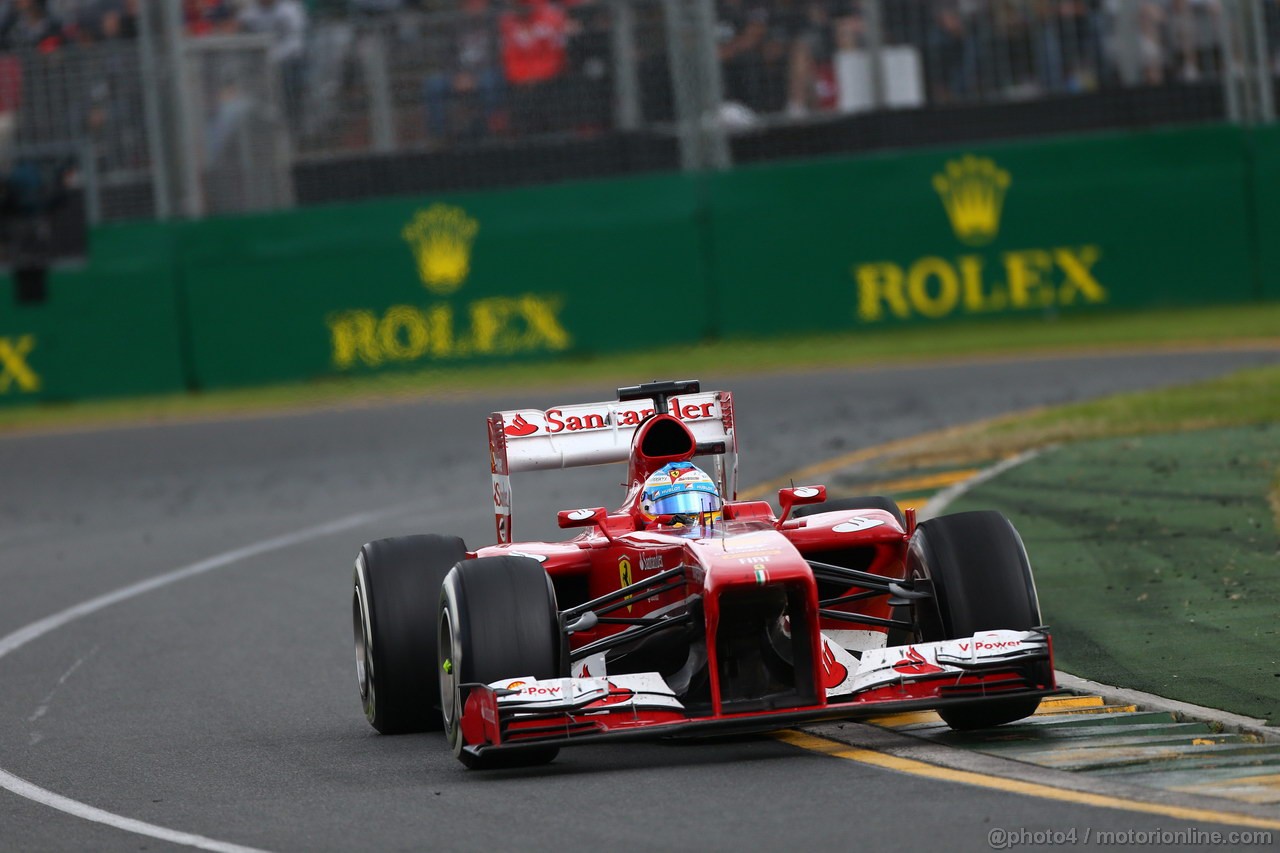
[497, 619]
[393, 608]
[981, 579]
[845, 504]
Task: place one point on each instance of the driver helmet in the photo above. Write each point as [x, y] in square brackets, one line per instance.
[684, 492]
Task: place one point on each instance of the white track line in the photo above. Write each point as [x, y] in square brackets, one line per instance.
[947, 496]
[23, 788]
[22, 636]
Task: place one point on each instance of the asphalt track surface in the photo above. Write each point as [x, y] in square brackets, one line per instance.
[224, 705]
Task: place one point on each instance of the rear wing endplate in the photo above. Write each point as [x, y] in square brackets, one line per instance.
[600, 433]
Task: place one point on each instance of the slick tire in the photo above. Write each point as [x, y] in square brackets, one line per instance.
[497, 619]
[393, 611]
[844, 504]
[981, 579]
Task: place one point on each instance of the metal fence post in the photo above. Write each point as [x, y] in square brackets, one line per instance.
[1264, 104]
[373, 64]
[626, 83]
[683, 91]
[873, 22]
[1232, 60]
[186, 113]
[1128, 51]
[715, 140]
[157, 150]
[1246, 72]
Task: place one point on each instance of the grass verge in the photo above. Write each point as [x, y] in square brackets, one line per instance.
[1156, 560]
[1154, 524]
[1244, 398]
[1222, 326]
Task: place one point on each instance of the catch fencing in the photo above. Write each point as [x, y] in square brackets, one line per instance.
[399, 101]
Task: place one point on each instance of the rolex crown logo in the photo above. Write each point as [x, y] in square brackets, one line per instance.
[972, 191]
[441, 238]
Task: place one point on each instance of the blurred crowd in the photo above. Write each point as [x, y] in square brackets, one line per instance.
[471, 68]
[778, 54]
[48, 25]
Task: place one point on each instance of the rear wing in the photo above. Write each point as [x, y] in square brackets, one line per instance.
[600, 433]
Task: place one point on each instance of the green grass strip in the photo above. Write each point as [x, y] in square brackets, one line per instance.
[1156, 560]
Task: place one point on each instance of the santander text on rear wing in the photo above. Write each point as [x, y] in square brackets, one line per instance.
[599, 433]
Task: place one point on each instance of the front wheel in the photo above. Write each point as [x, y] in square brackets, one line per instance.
[498, 619]
[393, 608]
[981, 579]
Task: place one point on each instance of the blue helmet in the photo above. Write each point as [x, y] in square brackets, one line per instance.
[681, 489]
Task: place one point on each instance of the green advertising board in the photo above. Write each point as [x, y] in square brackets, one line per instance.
[107, 330]
[1112, 221]
[412, 283]
[1115, 221]
[1264, 184]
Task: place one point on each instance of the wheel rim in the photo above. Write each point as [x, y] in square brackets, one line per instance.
[364, 660]
[447, 667]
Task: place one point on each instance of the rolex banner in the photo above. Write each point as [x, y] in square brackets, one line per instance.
[112, 329]
[440, 281]
[1030, 229]
[1020, 230]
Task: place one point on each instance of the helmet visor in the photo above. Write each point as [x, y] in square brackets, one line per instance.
[687, 503]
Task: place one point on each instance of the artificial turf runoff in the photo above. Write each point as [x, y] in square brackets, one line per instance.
[1157, 561]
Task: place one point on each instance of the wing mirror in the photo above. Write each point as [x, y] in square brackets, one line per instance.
[797, 496]
[581, 517]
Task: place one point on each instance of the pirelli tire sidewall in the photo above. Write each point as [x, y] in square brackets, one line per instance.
[498, 619]
[395, 590]
[976, 567]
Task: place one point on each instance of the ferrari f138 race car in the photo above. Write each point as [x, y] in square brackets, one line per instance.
[687, 612]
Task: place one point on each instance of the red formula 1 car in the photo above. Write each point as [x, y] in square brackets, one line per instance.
[728, 619]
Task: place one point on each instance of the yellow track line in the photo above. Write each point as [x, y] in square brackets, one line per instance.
[921, 483]
[1052, 705]
[1013, 786]
[800, 475]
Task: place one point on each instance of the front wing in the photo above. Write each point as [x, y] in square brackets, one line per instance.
[526, 712]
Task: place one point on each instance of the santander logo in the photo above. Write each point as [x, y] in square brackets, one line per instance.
[915, 664]
[519, 427]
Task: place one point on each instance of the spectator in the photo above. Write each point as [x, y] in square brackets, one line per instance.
[946, 41]
[1080, 22]
[117, 19]
[534, 40]
[1151, 49]
[28, 24]
[1193, 37]
[376, 7]
[741, 29]
[10, 100]
[589, 81]
[93, 21]
[817, 28]
[209, 17]
[286, 22]
[473, 77]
